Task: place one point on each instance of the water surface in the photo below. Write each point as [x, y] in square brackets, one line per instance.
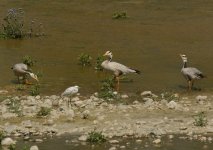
[150, 39]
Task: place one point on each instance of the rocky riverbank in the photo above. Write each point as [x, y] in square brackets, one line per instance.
[128, 115]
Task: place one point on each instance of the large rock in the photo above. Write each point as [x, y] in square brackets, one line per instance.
[148, 94]
[34, 147]
[82, 138]
[172, 105]
[7, 142]
[201, 98]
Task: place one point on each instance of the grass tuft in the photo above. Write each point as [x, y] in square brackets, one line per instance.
[200, 119]
[96, 137]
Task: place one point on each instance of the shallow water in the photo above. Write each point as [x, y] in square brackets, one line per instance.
[70, 142]
[150, 39]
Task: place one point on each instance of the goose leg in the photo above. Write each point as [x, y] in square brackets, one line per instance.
[118, 83]
[190, 85]
[18, 79]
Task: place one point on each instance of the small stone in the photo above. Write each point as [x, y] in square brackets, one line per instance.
[37, 97]
[135, 102]
[26, 138]
[112, 148]
[138, 141]
[172, 105]
[85, 114]
[146, 93]
[78, 103]
[171, 136]
[124, 96]
[122, 147]
[7, 142]
[157, 141]
[38, 140]
[183, 128]
[55, 103]
[115, 93]
[34, 147]
[201, 98]
[75, 99]
[83, 138]
[113, 141]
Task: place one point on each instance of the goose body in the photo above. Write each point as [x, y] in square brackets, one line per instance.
[190, 73]
[117, 68]
[22, 70]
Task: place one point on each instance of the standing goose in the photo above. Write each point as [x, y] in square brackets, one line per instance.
[22, 70]
[117, 68]
[191, 74]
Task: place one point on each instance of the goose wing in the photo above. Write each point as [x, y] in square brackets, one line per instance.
[193, 73]
[114, 66]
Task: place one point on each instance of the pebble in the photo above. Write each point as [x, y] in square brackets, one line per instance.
[201, 98]
[83, 138]
[124, 96]
[112, 148]
[157, 141]
[113, 141]
[7, 142]
[34, 147]
[172, 105]
[38, 140]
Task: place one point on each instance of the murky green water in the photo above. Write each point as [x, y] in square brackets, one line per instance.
[150, 39]
[70, 143]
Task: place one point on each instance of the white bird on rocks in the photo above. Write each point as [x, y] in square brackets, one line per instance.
[22, 70]
[117, 68]
[190, 73]
[70, 91]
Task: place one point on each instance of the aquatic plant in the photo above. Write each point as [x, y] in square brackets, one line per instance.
[96, 137]
[44, 111]
[84, 59]
[20, 87]
[35, 90]
[12, 147]
[99, 60]
[107, 89]
[13, 26]
[119, 15]
[2, 135]
[200, 119]
[14, 106]
[29, 61]
[169, 96]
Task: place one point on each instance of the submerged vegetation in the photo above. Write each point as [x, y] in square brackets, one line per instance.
[44, 111]
[29, 61]
[119, 15]
[96, 137]
[107, 89]
[84, 59]
[2, 135]
[20, 87]
[35, 90]
[200, 119]
[13, 26]
[99, 60]
[15, 107]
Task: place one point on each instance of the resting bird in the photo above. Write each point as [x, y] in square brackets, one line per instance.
[22, 70]
[191, 74]
[117, 68]
[71, 91]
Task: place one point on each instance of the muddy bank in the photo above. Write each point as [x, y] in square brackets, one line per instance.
[129, 115]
